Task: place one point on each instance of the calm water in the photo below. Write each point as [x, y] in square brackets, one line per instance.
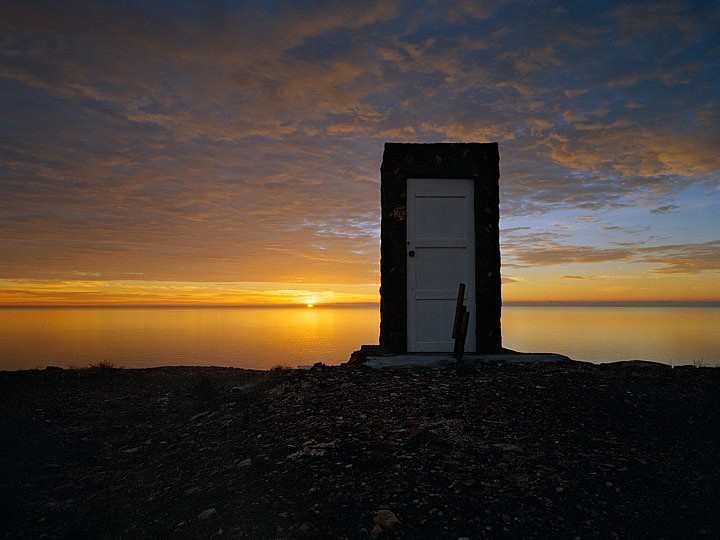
[262, 337]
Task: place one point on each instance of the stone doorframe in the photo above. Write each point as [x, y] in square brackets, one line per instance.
[476, 161]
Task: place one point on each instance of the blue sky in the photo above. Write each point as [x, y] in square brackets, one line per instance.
[230, 151]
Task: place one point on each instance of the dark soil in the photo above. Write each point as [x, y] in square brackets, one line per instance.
[490, 451]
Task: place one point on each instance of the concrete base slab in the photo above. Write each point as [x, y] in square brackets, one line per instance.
[443, 360]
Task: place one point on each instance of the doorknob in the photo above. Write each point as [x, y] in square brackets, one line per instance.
[411, 253]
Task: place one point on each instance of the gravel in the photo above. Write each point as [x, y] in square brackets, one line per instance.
[567, 450]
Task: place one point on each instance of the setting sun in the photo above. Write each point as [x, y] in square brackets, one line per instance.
[310, 305]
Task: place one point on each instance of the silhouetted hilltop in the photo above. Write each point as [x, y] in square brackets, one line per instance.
[490, 451]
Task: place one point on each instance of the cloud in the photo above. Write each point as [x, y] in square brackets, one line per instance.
[571, 93]
[540, 250]
[683, 259]
[665, 209]
[553, 254]
[208, 142]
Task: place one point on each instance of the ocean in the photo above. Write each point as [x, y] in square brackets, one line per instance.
[260, 338]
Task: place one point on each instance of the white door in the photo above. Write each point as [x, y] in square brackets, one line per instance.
[441, 255]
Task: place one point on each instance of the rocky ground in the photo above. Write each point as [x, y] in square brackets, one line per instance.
[557, 451]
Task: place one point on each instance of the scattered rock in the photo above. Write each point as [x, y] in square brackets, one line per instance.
[488, 454]
[206, 513]
[311, 448]
[243, 388]
[505, 447]
[385, 519]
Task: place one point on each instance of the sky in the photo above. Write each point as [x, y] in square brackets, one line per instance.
[220, 152]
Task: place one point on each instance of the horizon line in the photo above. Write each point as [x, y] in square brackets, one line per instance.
[614, 303]
[508, 303]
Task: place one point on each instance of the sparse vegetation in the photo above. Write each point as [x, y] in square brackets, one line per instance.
[699, 363]
[102, 365]
[280, 368]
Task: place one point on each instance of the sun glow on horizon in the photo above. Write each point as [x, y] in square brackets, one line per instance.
[523, 288]
[169, 293]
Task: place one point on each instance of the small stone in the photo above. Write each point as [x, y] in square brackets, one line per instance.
[206, 513]
[385, 519]
[277, 390]
[243, 388]
[507, 447]
[305, 527]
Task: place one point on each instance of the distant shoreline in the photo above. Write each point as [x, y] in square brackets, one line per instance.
[192, 306]
[649, 303]
[511, 303]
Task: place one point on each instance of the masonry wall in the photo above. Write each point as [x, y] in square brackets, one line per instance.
[477, 161]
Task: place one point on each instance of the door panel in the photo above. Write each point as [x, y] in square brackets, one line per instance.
[441, 255]
[443, 217]
[433, 337]
[438, 268]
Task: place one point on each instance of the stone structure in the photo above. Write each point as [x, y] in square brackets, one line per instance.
[476, 161]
